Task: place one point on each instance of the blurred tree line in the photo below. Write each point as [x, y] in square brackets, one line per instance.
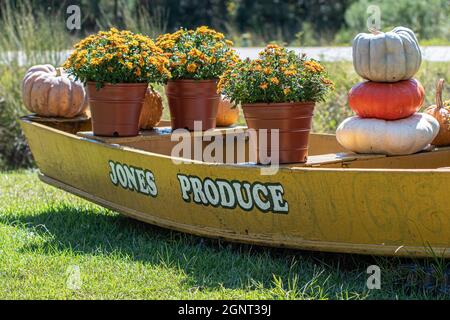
[250, 22]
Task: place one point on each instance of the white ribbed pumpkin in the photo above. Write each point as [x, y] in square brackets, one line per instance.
[51, 92]
[387, 57]
[399, 137]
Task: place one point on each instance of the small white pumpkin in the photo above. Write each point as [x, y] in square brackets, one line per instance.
[399, 137]
[387, 57]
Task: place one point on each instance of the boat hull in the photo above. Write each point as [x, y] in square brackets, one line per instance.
[376, 211]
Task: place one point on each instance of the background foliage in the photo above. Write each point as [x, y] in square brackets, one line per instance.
[34, 32]
[429, 19]
[249, 22]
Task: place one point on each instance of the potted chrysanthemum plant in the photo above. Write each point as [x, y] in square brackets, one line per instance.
[197, 59]
[278, 91]
[117, 67]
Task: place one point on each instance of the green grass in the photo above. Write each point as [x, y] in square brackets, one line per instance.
[44, 231]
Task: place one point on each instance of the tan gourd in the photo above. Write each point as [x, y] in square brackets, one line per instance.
[441, 111]
[51, 92]
[227, 114]
[151, 110]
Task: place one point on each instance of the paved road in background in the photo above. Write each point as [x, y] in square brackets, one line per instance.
[345, 53]
[436, 53]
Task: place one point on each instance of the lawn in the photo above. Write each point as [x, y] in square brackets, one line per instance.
[46, 235]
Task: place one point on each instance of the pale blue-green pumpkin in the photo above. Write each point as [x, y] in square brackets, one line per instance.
[387, 57]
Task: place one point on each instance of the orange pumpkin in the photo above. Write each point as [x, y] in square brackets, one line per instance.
[387, 101]
[151, 110]
[441, 111]
[227, 114]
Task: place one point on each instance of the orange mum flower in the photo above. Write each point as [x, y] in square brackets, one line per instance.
[275, 80]
[192, 67]
[313, 66]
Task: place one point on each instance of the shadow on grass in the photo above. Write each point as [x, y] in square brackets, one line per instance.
[206, 262]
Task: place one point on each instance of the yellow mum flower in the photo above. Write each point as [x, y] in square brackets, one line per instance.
[195, 53]
[289, 73]
[278, 71]
[131, 51]
[138, 72]
[264, 86]
[201, 46]
[203, 30]
[274, 80]
[257, 68]
[235, 59]
[192, 67]
[313, 66]
[95, 61]
[327, 82]
[272, 46]
[219, 36]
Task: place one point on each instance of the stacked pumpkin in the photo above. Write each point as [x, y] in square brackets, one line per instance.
[386, 105]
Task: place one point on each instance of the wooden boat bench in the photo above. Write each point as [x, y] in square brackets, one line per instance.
[159, 141]
[324, 150]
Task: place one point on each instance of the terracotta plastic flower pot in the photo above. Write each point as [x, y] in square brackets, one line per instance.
[116, 108]
[293, 121]
[192, 100]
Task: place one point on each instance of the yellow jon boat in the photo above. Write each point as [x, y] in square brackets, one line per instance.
[336, 202]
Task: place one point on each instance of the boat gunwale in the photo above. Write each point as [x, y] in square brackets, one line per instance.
[290, 167]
